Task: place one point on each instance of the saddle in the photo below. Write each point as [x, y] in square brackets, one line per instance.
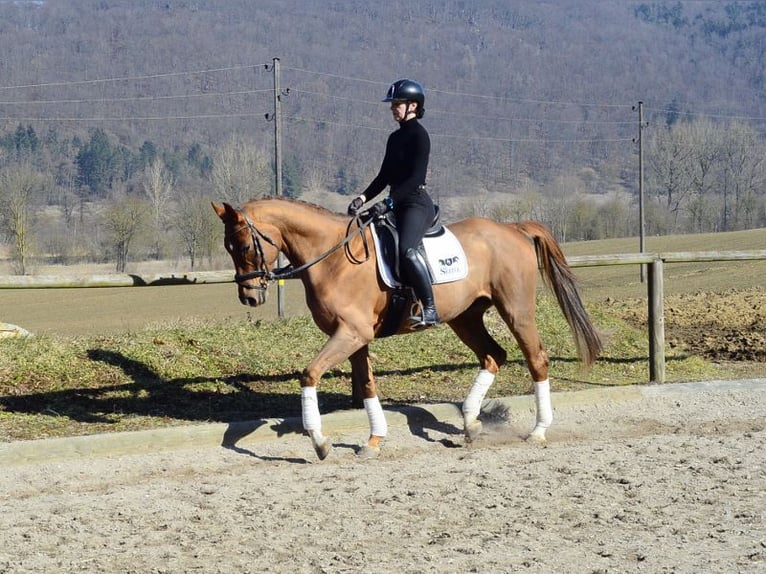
[440, 249]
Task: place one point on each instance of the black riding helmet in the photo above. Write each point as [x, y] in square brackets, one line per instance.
[407, 91]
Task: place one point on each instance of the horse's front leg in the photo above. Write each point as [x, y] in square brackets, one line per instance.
[363, 383]
[338, 348]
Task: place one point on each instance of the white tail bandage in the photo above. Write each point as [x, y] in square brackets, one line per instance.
[543, 404]
[472, 403]
[378, 424]
[310, 409]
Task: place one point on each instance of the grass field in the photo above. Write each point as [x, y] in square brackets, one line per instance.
[75, 312]
[131, 358]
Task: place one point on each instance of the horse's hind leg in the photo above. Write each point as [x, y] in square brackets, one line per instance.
[470, 328]
[524, 328]
[363, 383]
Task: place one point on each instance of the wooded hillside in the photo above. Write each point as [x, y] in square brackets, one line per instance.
[523, 98]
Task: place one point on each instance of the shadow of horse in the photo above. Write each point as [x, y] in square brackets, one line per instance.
[255, 398]
[147, 394]
[420, 421]
[230, 399]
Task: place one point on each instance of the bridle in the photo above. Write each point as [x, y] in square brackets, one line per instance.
[267, 276]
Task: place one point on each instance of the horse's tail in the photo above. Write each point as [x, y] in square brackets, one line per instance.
[558, 276]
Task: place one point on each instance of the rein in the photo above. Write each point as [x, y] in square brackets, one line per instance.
[289, 271]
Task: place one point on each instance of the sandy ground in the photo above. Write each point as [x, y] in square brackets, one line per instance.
[669, 480]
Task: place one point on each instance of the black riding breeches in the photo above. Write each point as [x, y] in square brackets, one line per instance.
[412, 221]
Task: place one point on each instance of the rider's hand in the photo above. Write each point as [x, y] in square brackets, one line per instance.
[356, 205]
[380, 208]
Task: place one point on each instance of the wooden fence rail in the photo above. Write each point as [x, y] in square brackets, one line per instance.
[655, 285]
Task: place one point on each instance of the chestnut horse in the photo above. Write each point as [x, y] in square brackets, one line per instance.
[330, 253]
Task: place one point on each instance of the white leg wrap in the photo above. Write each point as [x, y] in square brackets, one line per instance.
[310, 410]
[378, 424]
[472, 403]
[543, 404]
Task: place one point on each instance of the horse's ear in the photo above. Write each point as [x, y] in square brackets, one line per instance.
[220, 210]
[225, 211]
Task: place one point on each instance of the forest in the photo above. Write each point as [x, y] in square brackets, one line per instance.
[121, 120]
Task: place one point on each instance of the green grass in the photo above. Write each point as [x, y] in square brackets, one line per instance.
[196, 372]
[148, 357]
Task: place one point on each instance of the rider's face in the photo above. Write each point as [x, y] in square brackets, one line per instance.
[401, 109]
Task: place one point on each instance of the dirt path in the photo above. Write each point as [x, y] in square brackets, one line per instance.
[673, 480]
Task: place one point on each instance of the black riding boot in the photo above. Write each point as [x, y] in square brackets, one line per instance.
[417, 275]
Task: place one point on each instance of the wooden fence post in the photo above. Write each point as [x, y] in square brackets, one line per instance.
[656, 297]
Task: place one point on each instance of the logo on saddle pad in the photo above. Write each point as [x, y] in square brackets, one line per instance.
[445, 257]
[450, 265]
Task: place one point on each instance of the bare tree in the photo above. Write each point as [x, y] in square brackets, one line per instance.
[123, 218]
[158, 186]
[743, 174]
[668, 157]
[559, 199]
[198, 226]
[21, 189]
[241, 172]
[706, 150]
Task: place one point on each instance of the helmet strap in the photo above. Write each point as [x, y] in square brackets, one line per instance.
[409, 112]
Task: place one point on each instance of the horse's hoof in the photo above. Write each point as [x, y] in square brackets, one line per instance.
[368, 452]
[537, 437]
[323, 448]
[472, 431]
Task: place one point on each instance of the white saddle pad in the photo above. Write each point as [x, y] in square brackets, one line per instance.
[445, 255]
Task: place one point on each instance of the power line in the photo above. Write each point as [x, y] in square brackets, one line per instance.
[432, 111]
[131, 78]
[666, 111]
[467, 94]
[337, 76]
[529, 101]
[536, 120]
[548, 102]
[465, 137]
[133, 118]
[332, 123]
[137, 98]
[531, 140]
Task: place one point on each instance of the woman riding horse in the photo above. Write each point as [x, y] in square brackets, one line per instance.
[404, 168]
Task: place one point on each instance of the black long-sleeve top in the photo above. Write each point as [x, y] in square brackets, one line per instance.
[405, 163]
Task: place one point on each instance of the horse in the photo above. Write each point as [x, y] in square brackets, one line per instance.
[330, 253]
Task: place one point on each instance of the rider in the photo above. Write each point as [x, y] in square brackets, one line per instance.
[404, 169]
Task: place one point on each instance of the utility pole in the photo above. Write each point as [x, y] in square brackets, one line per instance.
[278, 174]
[641, 222]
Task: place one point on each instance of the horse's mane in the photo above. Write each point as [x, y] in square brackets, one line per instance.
[315, 207]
